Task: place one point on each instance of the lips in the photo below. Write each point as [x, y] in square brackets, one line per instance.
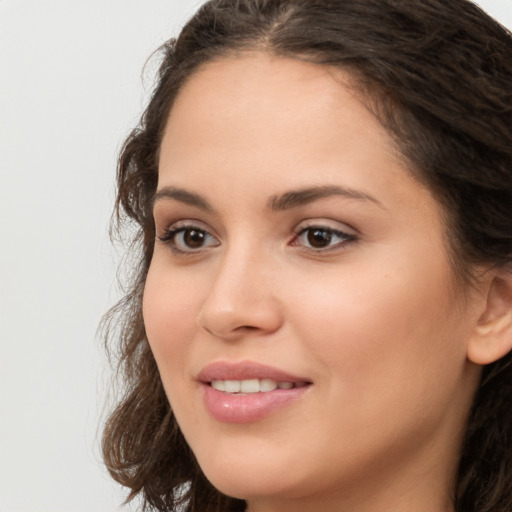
[223, 370]
[247, 391]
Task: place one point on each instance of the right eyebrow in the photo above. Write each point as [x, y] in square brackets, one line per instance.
[300, 197]
[183, 196]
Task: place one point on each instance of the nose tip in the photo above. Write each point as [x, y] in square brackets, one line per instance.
[239, 321]
[240, 305]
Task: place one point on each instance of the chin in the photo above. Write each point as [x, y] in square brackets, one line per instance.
[250, 487]
[252, 478]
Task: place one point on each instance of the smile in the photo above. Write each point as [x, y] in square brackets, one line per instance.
[246, 391]
[252, 385]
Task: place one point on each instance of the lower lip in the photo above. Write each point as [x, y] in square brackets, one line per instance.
[246, 408]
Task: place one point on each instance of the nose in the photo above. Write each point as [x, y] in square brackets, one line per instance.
[241, 299]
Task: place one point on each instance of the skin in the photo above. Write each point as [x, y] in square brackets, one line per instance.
[374, 321]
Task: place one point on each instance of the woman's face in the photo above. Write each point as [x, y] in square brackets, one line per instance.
[300, 302]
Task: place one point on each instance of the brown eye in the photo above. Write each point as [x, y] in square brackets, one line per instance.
[194, 238]
[319, 238]
[188, 239]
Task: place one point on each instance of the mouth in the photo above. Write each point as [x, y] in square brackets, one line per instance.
[248, 386]
[244, 392]
[248, 377]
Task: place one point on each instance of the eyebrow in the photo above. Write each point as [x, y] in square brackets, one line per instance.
[305, 196]
[183, 196]
[281, 202]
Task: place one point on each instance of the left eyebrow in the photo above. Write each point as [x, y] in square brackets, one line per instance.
[304, 196]
[183, 196]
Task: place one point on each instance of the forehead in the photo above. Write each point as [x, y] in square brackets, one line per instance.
[268, 110]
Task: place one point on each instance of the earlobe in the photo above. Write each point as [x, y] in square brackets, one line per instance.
[492, 337]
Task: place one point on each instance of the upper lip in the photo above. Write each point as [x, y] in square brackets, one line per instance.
[244, 370]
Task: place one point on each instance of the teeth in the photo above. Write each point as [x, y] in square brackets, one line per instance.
[219, 385]
[250, 385]
[232, 386]
[268, 385]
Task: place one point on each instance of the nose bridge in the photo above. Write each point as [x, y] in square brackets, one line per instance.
[242, 295]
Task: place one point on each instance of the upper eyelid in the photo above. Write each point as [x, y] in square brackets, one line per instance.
[338, 232]
[177, 227]
[323, 223]
[184, 224]
[327, 224]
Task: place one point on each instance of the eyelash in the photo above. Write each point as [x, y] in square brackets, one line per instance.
[170, 235]
[345, 238]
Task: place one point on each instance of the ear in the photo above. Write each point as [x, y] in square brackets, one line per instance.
[492, 337]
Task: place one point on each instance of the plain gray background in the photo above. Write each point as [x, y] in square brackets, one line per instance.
[71, 88]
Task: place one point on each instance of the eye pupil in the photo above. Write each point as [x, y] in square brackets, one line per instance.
[319, 238]
[193, 238]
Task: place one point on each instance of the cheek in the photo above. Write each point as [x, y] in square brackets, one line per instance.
[170, 310]
[373, 331]
[170, 318]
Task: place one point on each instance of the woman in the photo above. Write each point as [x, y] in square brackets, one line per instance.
[322, 317]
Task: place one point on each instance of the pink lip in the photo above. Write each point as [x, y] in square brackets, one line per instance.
[224, 370]
[246, 408]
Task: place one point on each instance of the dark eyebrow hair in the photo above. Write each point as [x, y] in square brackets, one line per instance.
[183, 196]
[281, 202]
[304, 196]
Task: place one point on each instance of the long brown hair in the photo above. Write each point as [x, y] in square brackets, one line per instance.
[438, 75]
